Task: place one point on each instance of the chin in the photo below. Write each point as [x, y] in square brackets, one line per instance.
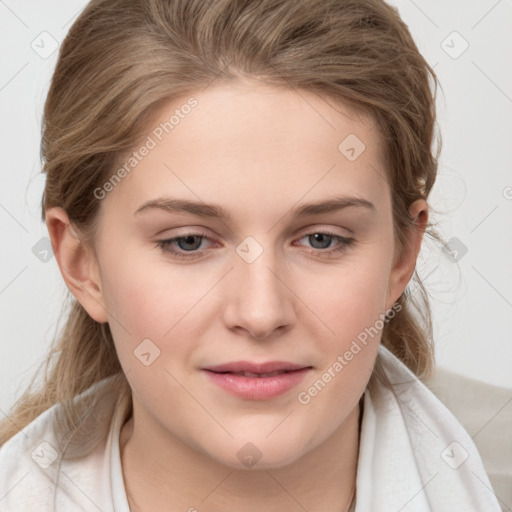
[258, 455]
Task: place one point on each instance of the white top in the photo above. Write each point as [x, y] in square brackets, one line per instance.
[29, 466]
[414, 457]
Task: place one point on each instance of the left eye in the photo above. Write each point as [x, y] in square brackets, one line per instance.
[190, 243]
[321, 238]
[324, 239]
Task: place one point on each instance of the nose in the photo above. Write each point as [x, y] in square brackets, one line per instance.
[261, 301]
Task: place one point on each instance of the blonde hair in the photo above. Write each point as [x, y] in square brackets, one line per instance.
[123, 59]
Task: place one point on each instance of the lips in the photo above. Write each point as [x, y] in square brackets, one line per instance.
[257, 375]
[257, 381]
[256, 369]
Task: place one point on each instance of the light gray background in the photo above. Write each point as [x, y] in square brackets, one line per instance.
[471, 299]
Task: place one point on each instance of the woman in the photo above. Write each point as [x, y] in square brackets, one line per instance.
[236, 196]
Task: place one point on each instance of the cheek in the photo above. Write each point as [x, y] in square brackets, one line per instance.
[353, 298]
[353, 309]
[148, 297]
[151, 302]
[152, 322]
[354, 312]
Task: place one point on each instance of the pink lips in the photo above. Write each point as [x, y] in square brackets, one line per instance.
[257, 381]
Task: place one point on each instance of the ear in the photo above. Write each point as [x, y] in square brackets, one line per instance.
[77, 263]
[404, 265]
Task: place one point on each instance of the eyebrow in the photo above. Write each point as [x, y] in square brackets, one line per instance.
[173, 205]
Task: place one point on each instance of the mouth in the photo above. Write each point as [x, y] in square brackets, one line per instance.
[257, 381]
[258, 375]
[256, 369]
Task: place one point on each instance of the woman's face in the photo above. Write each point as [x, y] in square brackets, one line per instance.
[258, 182]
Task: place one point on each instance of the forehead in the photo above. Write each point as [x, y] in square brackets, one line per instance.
[256, 144]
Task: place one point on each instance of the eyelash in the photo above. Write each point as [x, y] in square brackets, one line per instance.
[345, 244]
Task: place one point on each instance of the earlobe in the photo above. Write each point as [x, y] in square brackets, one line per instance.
[77, 263]
[404, 266]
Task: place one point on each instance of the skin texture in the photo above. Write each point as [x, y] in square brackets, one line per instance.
[259, 152]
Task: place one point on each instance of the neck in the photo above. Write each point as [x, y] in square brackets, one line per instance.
[166, 474]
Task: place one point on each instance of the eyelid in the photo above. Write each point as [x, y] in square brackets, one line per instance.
[317, 228]
[344, 243]
[164, 243]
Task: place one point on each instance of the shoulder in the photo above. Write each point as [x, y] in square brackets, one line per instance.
[41, 459]
[412, 435]
[485, 411]
[23, 460]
